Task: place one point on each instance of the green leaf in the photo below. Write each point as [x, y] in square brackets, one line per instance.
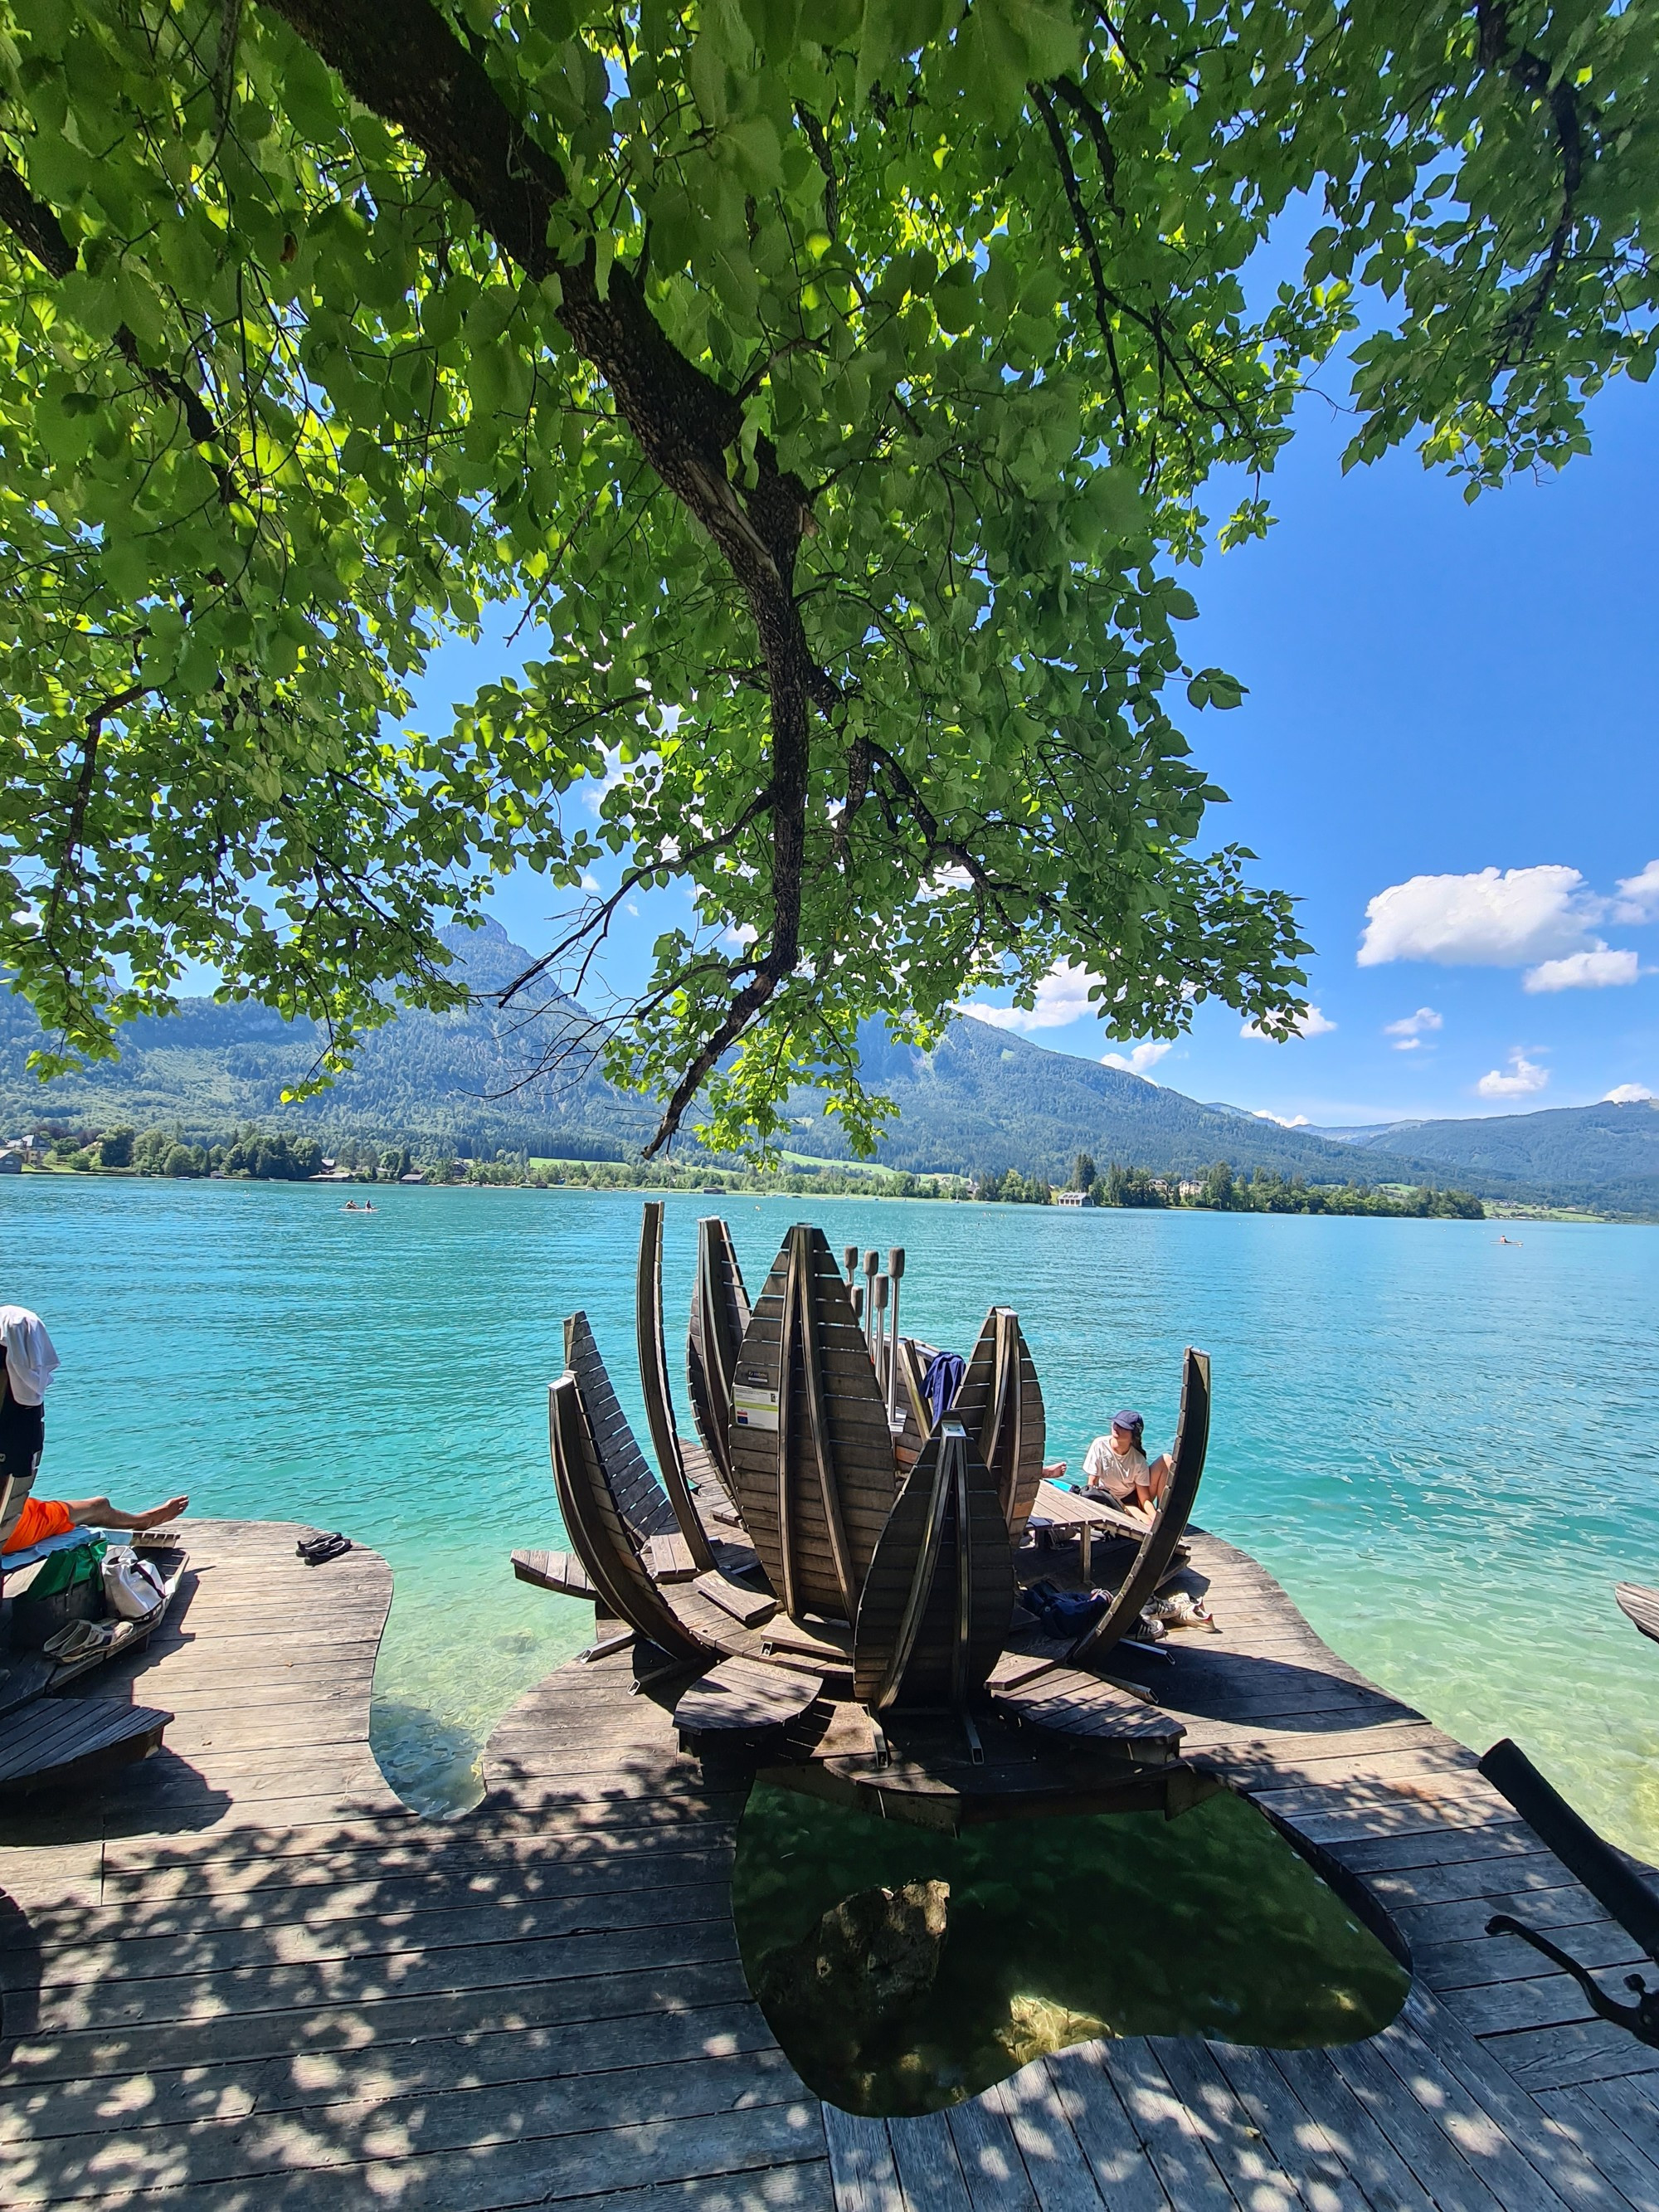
[954, 302]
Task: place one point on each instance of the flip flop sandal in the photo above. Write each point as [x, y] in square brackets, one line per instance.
[315, 1550]
[94, 1636]
[66, 1641]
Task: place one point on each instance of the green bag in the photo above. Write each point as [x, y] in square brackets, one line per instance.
[76, 1563]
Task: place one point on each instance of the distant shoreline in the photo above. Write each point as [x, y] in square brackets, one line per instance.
[1499, 1211]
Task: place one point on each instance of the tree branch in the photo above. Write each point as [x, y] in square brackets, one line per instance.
[1085, 231]
[36, 228]
[68, 866]
[1531, 74]
[401, 59]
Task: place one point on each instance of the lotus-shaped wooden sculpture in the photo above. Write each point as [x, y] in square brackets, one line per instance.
[828, 1582]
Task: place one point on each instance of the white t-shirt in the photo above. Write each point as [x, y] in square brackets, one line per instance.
[29, 1357]
[1119, 1474]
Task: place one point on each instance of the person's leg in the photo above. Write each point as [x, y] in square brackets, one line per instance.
[100, 1513]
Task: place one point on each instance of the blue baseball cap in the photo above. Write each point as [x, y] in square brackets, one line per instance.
[1129, 1420]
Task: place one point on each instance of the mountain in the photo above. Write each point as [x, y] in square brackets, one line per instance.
[1603, 1155]
[981, 1101]
[453, 1076]
[1365, 1133]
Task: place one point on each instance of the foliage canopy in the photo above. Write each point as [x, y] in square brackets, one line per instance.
[837, 385]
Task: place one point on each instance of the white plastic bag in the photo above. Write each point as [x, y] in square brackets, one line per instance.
[133, 1588]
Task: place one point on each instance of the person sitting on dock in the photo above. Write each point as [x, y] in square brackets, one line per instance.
[1115, 1466]
[26, 1520]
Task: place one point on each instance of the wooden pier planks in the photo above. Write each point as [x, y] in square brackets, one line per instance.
[1639, 1605]
[246, 1977]
[317, 2000]
[812, 1470]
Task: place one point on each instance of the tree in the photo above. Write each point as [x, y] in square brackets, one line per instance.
[1084, 1176]
[115, 1148]
[1134, 1187]
[1219, 1191]
[836, 389]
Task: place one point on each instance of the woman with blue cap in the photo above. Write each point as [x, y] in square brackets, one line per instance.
[1115, 1466]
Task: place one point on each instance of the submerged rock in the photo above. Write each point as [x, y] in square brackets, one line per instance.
[1036, 2026]
[872, 1956]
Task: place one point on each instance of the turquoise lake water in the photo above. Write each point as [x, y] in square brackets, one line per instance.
[1446, 1448]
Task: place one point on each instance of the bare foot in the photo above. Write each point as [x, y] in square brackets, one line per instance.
[158, 1514]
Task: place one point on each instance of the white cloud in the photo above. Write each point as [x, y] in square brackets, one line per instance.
[595, 786]
[591, 882]
[1409, 1031]
[1311, 1024]
[1293, 1121]
[1638, 899]
[1494, 919]
[1593, 970]
[1525, 1076]
[1062, 996]
[1628, 1094]
[1138, 1058]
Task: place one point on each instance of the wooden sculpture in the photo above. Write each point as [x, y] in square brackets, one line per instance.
[1000, 1406]
[859, 1650]
[594, 1520]
[720, 1317]
[813, 1472]
[940, 1591]
[653, 1381]
[1151, 1562]
[644, 1504]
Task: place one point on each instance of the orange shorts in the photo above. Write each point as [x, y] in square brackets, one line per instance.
[40, 1517]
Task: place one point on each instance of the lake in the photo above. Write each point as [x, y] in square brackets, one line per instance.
[1443, 1446]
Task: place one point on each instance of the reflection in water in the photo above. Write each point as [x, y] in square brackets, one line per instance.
[1020, 1937]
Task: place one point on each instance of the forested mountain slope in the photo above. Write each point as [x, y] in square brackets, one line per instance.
[982, 1101]
[449, 1076]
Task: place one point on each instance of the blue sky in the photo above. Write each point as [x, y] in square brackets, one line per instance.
[1437, 691]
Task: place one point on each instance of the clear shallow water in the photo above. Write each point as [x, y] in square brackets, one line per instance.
[1058, 1930]
[1447, 1449]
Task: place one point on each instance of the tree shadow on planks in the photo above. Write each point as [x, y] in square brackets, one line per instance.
[163, 1794]
[20, 1977]
[463, 2013]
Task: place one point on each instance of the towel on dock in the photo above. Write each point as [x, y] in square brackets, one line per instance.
[942, 1380]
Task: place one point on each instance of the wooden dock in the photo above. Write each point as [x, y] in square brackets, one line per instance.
[241, 1976]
